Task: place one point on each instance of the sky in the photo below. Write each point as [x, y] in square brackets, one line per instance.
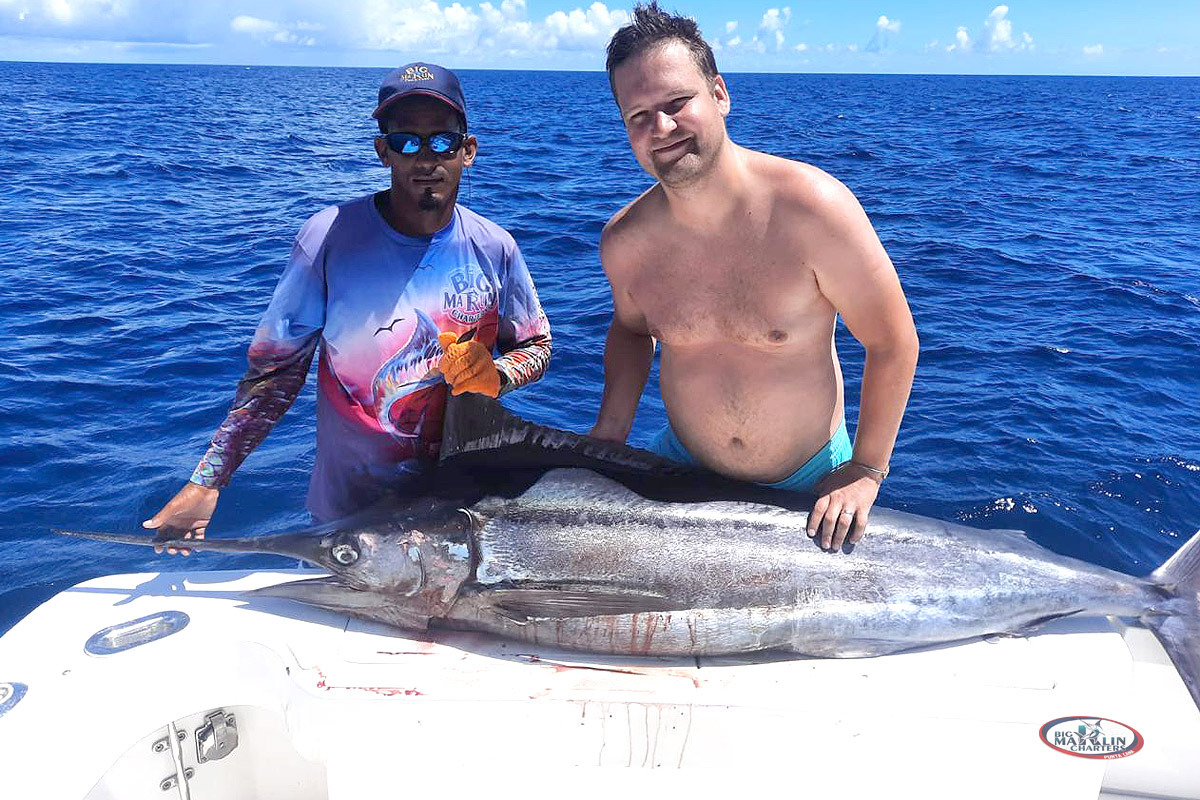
[1071, 37]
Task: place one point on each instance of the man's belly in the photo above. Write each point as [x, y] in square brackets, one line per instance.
[751, 414]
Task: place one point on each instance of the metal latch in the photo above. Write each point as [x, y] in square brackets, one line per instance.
[217, 738]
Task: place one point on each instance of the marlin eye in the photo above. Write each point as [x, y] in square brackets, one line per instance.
[344, 553]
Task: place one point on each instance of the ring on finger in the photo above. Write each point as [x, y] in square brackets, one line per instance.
[847, 512]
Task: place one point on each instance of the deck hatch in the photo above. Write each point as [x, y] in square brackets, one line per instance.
[127, 635]
[10, 695]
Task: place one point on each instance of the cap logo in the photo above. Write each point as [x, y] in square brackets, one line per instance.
[417, 73]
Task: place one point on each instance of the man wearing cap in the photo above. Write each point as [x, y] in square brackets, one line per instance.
[405, 295]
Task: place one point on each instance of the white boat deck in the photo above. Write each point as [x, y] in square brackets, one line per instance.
[328, 707]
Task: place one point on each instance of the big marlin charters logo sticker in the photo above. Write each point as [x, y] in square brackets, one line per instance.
[468, 295]
[1091, 737]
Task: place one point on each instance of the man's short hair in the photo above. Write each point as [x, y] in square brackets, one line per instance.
[651, 27]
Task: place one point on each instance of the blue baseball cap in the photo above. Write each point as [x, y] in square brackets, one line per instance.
[419, 78]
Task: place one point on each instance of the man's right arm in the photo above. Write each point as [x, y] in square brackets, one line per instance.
[265, 392]
[263, 396]
[279, 358]
[628, 350]
[627, 359]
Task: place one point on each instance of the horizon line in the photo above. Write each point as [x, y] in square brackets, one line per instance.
[601, 71]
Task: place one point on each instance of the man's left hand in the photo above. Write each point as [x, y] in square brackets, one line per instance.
[844, 500]
[468, 366]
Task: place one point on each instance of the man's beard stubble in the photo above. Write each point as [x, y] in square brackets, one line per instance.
[686, 169]
[427, 201]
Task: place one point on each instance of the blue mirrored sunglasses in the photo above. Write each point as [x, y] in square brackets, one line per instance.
[442, 143]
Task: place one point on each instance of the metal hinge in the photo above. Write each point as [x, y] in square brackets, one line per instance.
[168, 783]
[217, 737]
[162, 744]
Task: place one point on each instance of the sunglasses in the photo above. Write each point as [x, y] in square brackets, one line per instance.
[442, 143]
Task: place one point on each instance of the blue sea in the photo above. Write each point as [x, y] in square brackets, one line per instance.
[1046, 230]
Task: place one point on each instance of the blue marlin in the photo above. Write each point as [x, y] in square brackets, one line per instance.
[546, 536]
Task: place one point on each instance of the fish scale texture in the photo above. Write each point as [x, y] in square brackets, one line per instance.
[910, 578]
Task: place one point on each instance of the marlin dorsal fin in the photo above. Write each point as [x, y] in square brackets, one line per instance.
[478, 428]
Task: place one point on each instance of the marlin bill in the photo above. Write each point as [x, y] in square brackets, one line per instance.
[545, 536]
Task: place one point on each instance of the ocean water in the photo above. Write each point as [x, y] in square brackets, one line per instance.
[1046, 231]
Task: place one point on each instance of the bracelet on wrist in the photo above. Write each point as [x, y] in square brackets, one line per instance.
[875, 472]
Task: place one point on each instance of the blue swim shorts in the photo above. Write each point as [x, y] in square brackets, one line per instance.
[836, 452]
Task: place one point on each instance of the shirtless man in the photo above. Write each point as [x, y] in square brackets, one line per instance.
[739, 263]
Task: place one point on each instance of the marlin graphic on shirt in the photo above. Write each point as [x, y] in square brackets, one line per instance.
[413, 368]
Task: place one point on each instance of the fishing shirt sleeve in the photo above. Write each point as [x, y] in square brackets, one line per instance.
[523, 336]
[278, 359]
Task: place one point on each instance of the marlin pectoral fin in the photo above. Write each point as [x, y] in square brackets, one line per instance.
[1040, 621]
[574, 601]
[332, 595]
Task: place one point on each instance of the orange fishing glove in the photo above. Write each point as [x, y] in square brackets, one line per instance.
[468, 366]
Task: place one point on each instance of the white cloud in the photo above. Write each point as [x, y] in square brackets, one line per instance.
[889, 25]
[883, 27]
[769, 33]
[771, 27]
[422, 27]
[431, 28]
[997, 30]
[414, 28]
[800, 48]
[1093, 50]
[60, 10]
[962, 41]
[997, 34]
[253, 26]
[583, 30]
[775, 19]
[112, 20]
[264, 30]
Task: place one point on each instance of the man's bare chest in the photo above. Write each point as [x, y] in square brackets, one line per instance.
[695, 295]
